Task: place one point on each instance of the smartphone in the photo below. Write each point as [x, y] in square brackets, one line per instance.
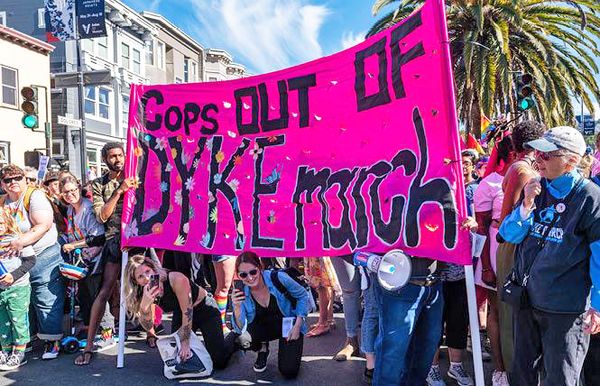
[238, 285]
[154, 280]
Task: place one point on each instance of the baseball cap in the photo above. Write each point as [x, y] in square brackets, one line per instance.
[561, 137]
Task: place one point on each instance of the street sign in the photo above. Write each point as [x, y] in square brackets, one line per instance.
[69, 121]
[90, 78]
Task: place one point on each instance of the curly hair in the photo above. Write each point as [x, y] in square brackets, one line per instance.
[11, 170]
[504, 148]
[526, 131]
[109, 146]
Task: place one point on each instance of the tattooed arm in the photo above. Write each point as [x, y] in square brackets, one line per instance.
[181, 288]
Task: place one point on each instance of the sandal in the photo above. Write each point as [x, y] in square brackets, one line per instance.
[321, 329]
[151, 341]
[84, 359]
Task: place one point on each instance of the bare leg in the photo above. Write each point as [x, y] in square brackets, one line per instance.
[435, 362]
[224, 272]
[322, 326]
[455, 355]
[494, 331]
[109, 280]
[370, 357]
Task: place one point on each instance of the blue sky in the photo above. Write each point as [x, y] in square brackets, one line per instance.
[267, 35]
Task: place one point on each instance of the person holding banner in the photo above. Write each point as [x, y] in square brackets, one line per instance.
[554, 288]
[147, 284]
[488, 206]
[267, 313]
[108, 192]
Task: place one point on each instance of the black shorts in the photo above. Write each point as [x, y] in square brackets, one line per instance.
[111, 252]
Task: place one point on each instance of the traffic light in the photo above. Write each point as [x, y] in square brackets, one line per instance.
[524, 92]
[30, 107]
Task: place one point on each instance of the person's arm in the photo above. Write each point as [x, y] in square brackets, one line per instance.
[484, 220]
[106, 209]
[516, 179]
[182, 289]
[41, 218]
[238, 317]
[516, 225]
[27, 262]
[590, 224]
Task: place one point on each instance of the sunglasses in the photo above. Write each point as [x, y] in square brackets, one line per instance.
[31, 179]
[9, 180]
[252, 272]
[546, 156]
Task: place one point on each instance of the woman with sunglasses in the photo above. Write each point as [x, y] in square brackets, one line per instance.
[34, 215]
[260, 309]
[147, 284]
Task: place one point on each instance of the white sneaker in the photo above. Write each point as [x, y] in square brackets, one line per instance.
[434, 378]
[499, 378]
[458, 373]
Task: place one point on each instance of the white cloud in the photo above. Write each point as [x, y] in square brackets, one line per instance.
[350, 39]
[266, 34]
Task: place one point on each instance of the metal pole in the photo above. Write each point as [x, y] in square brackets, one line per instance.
[80, 103]
[474, 323]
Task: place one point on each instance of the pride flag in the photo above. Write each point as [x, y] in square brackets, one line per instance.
[486, 127]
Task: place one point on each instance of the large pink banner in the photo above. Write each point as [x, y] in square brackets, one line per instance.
[355, 151]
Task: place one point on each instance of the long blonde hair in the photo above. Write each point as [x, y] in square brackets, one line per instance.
[134, 291]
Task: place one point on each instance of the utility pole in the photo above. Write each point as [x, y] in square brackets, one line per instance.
[80, 104]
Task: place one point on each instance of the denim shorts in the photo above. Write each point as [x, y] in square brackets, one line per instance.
[221, 258]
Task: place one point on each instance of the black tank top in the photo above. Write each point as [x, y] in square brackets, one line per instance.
[168, 301]
[270, 316]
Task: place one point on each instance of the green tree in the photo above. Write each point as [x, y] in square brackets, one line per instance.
[491, 40]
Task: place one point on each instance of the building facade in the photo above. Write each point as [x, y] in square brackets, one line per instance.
[24, 61]
[139, 48]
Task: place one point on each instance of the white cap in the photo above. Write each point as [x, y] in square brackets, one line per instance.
[561, 137]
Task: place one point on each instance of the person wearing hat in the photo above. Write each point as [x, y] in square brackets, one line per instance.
[557, 264]
[52, 185]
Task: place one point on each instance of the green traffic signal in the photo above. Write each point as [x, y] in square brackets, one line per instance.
[30, 121]
[525, 104]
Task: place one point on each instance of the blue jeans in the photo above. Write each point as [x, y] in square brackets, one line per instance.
[349, 278]
[370, 321]
[48, 293]
[410, 327]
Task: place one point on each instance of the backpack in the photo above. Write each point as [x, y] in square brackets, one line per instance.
[58, 213]
[298, 278]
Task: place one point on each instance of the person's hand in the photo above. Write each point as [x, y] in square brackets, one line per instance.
[127, 184]
[531, 191]
[184, 351]
[14, 247]
[7, 280]
[294, 332]
[488, 277]
[150, 294]
[68, 248]
[591, 322]
[237, 298]
[470, 224]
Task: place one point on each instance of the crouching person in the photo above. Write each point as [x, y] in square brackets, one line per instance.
[261, 309]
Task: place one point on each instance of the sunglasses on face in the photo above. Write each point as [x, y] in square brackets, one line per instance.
[252, 272]
[31, 179]
[546, 156]
[9, 180]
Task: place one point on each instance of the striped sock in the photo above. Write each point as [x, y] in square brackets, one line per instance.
[19, 347]
[222, 305]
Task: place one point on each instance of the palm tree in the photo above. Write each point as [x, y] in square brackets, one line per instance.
[493, 40]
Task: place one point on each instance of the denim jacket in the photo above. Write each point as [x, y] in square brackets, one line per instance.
[248, 310]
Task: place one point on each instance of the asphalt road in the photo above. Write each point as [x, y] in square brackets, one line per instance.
[144, 366]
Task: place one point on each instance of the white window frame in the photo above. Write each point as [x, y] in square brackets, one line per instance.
[125, 63]
[4, 150]
[16, 87]
[93, 101]
[161, 53]
[97, 104]
[3, 18]
[41, 17]
[194, 71]
[125, 112]
[100, 45]
[137, 64]
[186, 70]
[150, 53]
[107, 104]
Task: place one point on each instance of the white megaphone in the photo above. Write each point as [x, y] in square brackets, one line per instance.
[393, 269]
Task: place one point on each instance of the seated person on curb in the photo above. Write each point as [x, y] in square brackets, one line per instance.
[174, 293]
[261, 308]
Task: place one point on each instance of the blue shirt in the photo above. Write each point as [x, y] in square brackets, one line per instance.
[248, 309]
[566, 270]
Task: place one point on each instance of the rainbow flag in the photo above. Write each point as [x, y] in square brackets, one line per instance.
[472, 143]
[486, 126]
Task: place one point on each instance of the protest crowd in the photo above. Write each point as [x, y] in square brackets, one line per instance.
[539, 331]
